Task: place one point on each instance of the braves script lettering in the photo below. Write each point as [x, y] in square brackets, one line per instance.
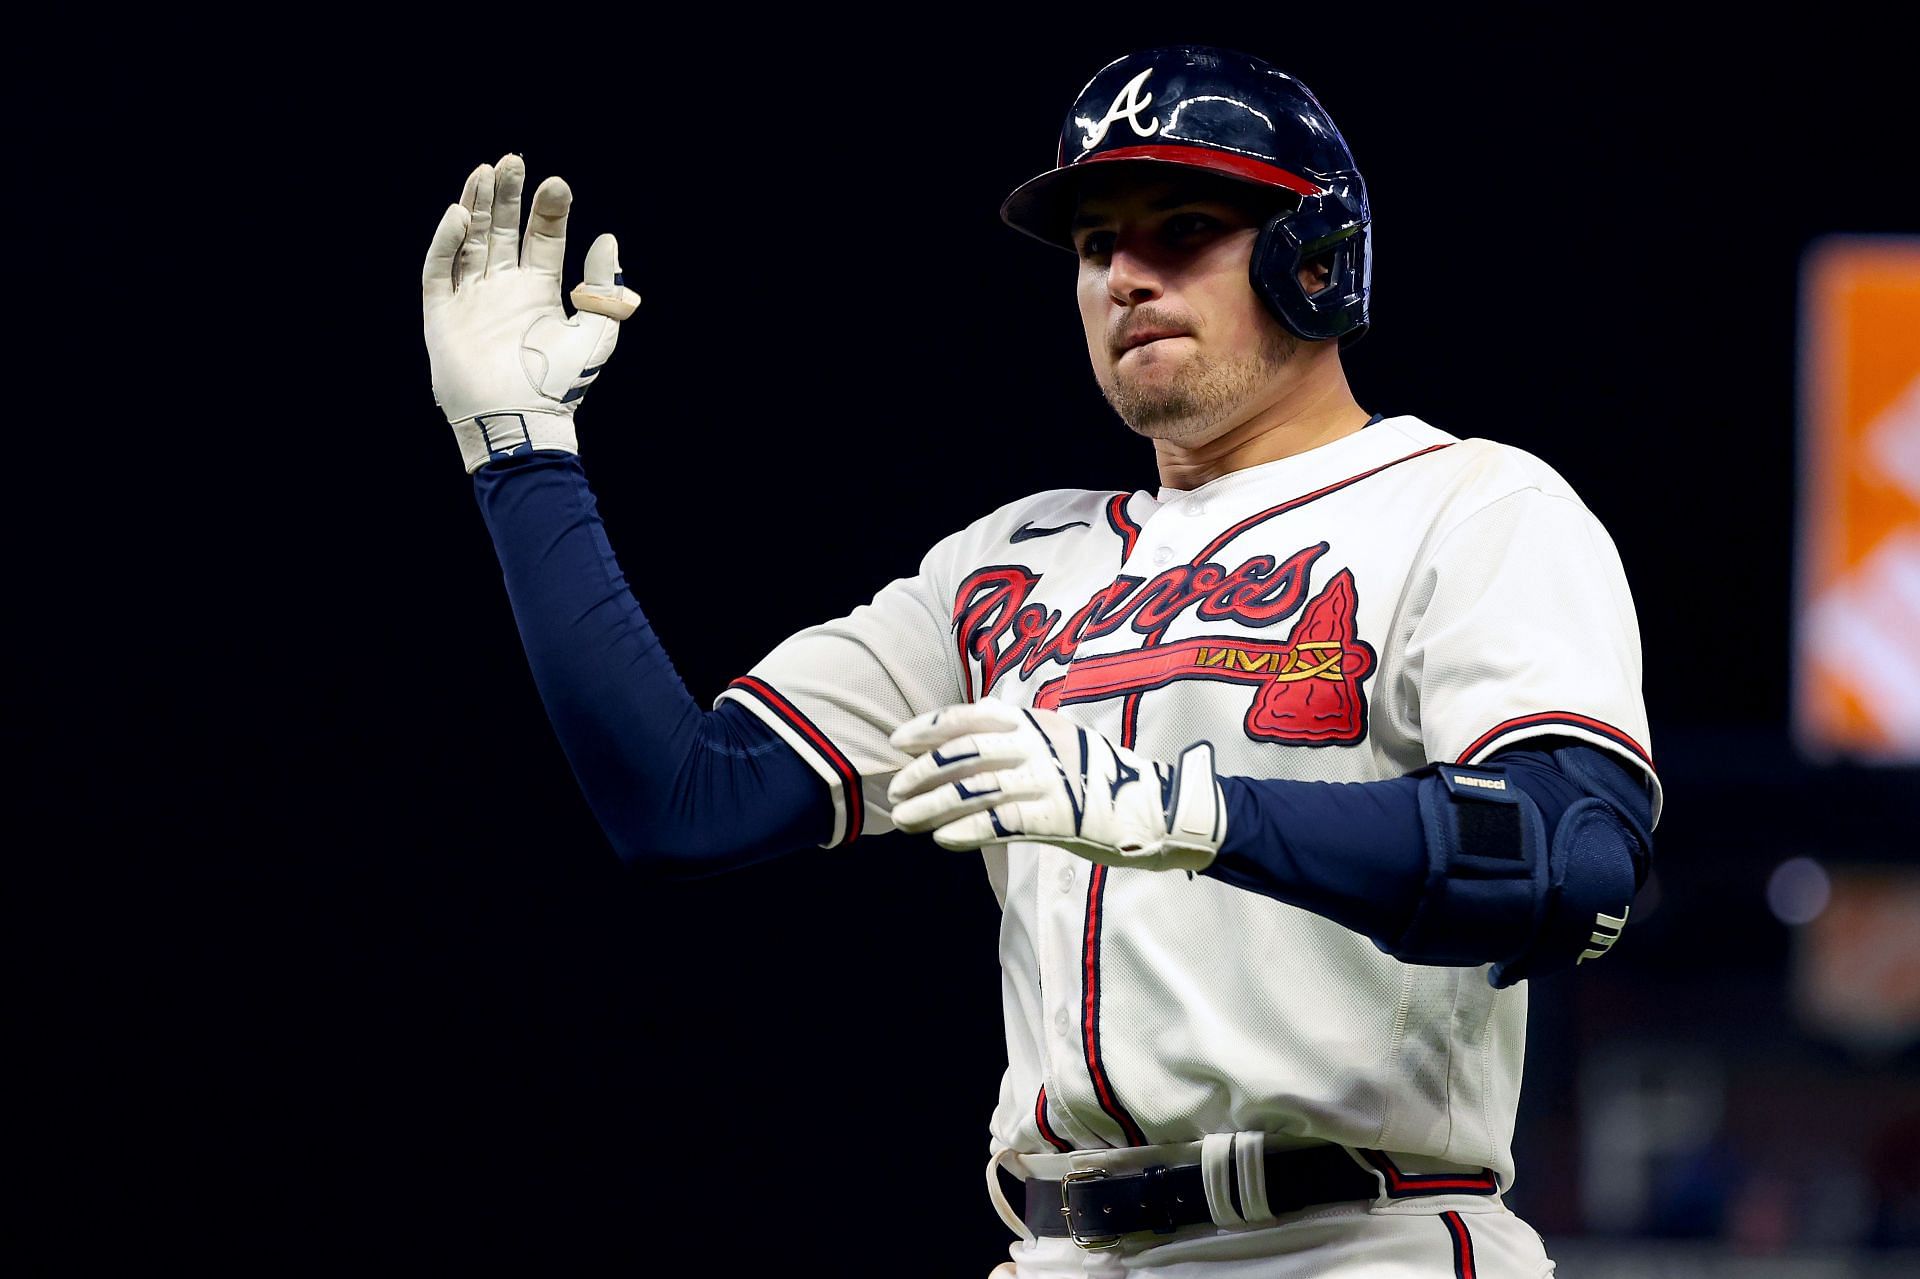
[1307, 687]
[1000, 629]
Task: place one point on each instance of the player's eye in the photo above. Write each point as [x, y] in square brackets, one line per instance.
[1182, 225]
[1096, 244]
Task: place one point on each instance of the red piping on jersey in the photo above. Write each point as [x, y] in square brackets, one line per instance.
[1403, 1185]
[1462, 1246]
[1090, 1012]
[1046, 1129]
[1122, 523]
[849, 776]
[1130, 732]
[1240, 166]
[1587, 722]
[1302, 500]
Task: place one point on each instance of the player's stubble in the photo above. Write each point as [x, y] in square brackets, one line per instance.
[1201, 395]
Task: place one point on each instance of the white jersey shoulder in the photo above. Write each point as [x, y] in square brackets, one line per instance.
[1522, 606]
[1481, 471]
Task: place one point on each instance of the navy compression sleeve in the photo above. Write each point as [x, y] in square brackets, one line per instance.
[683, 790]
[1356, 852]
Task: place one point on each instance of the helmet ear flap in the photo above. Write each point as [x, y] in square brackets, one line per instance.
[1358, 280]
[1346, 288]
[1336, 310]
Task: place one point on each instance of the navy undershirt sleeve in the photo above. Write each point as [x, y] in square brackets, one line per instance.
[1356, 852]
[682, 790]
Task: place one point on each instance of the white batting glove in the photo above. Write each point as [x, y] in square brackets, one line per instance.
[509, 367]
[986, 773]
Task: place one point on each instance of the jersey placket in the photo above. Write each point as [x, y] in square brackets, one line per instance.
[1069, 1103]
[1073, 937]
[1188, 530]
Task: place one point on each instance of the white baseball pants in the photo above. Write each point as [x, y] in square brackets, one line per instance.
[1443, 1237]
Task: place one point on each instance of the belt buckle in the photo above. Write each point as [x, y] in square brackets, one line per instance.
[1090, 1243]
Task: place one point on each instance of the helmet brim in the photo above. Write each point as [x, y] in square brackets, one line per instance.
[1042, 207]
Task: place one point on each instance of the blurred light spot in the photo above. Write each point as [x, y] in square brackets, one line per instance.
[1798, 891]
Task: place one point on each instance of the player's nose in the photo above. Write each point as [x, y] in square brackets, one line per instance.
[1132, 277]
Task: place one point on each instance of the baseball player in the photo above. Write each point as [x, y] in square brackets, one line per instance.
[1287, 771]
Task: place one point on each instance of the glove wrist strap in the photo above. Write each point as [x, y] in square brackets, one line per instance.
[489, 437]
[1196, 809]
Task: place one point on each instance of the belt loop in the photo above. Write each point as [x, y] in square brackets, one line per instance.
[1250, 1163]
[998, 1195]
[1216, 1178]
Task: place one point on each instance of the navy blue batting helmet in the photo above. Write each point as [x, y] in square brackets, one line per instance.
[1231, 114]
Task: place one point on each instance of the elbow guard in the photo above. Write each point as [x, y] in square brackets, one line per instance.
[1502, 889]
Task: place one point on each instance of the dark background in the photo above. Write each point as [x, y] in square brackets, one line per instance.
[330, 959]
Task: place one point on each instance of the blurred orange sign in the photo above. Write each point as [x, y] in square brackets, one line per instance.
[1857, 625]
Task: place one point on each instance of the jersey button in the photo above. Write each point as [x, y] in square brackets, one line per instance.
[1066, 879]
[1196, 508]
[1061, 1023]
[1162, 554]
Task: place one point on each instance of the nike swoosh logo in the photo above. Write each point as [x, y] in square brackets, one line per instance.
[1027, 530]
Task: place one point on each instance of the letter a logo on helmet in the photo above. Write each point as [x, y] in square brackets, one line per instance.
[1126, 106]
[1234, 115]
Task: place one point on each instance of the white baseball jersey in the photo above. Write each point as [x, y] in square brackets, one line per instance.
[1395, 597]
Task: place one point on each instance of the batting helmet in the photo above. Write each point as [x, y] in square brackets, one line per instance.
[1231, 114]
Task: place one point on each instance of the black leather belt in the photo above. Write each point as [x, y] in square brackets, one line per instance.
[1095, 1208]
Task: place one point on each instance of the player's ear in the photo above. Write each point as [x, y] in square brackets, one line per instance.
[1316, 274]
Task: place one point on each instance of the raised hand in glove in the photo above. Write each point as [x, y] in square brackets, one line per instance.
[986, 773]
[509, 366]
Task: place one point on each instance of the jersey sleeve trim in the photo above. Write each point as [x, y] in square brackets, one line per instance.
[1597, 731]
[1531, 725]
[801, 733]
